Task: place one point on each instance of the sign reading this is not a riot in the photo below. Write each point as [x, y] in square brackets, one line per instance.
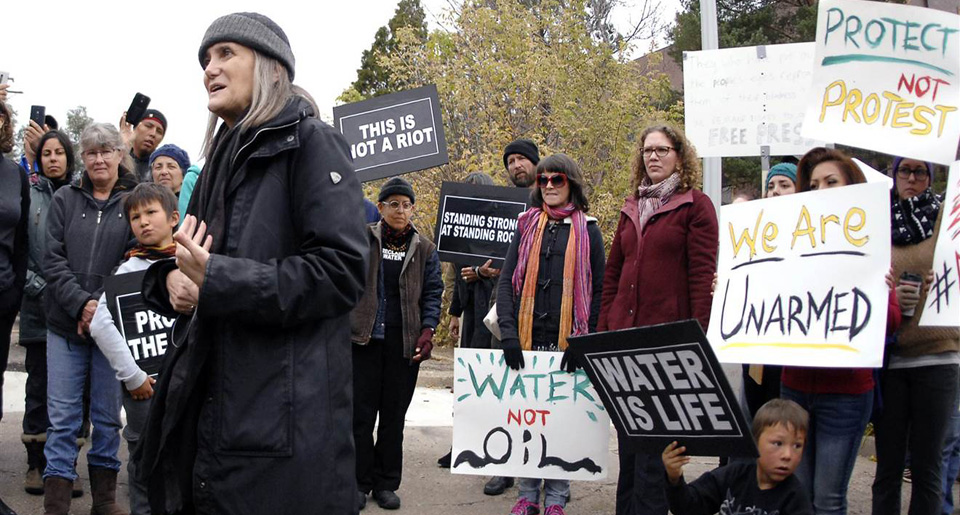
[943, 301]
[801, 279]
[538, 421]
[886, 78]
[394, 134]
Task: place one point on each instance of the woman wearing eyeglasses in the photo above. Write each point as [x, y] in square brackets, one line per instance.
[549, 289]
[660, 268]
[919, 384]
[392, 332]
[87, 235]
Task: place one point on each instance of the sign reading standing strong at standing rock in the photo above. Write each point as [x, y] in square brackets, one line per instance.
[476, 223]
[394, 134]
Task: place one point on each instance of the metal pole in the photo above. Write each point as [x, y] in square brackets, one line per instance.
[712, 171]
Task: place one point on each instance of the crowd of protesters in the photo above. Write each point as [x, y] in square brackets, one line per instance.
[298, 327]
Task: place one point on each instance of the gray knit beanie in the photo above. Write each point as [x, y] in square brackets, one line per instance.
[252, 30]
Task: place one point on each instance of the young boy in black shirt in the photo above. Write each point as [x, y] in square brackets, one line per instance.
[765, 487]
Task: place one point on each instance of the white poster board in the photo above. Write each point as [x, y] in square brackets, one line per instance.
[801, 279]
[943, 300]
[538, 421]
[886, 78]
[737, 100]
[872, 174]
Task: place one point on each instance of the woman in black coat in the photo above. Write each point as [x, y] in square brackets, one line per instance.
[14, 211]
[253, 407]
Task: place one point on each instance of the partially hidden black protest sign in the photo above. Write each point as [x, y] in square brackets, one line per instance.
[663, 383]
[476, 223]
[394, 134]
[147, 333]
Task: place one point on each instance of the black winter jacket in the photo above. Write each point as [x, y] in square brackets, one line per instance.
[84, 245]
[33, 318]
[546, 304]
[253, 411]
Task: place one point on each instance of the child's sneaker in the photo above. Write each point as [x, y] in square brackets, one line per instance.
[525, 507]
[554, 509]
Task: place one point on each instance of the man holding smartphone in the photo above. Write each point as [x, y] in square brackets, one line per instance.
[143, 137]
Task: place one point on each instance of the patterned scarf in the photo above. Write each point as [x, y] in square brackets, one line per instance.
[653, 196]
[577, 275]
[152, 253]
[912, 219]
[396, 240]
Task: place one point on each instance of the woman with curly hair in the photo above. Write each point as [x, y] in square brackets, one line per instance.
[660, 268]
[14, 213]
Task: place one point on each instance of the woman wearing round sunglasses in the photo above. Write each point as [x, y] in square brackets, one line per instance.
[550, 289]
[660, 268]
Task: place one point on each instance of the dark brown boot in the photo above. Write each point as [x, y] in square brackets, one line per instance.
[103, 489]
[56, 496]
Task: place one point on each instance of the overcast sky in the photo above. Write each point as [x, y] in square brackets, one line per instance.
[99, 54]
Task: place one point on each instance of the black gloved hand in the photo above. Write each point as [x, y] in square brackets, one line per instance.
[569, 361]
[512, 353]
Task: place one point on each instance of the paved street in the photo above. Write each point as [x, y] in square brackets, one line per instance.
[426, 489]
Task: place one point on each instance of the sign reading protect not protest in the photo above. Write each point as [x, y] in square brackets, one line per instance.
[394, 134]
[662, 383]
[943, 300]
[538, 421]
[801, 279]
[739, 100]
[147, 334]
[885, 79]
[476, 223]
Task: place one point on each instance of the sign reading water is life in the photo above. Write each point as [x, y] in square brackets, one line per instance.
[801, 279]
[885, 78]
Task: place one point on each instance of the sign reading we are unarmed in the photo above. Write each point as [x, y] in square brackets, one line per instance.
[801, 279]
[943, 300]
[147, 334]
[394, 134]
[739, 100]
[476, 223]
[662, 383]
[538, 421]
[885, 79]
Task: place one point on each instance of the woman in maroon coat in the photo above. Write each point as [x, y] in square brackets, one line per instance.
[659, 270]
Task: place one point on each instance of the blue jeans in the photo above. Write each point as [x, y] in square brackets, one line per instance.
[555, 491]
[69, 362]
[837, 422]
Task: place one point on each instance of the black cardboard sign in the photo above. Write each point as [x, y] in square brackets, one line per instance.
[394, 134]
[147, 333]
[476, 223]
[663, 383]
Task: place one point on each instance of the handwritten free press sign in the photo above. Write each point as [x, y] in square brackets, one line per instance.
[801, 279]
[886, 78]
[538, 421]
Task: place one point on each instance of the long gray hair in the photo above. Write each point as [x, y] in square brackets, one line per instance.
[272, 90]
[105, 135]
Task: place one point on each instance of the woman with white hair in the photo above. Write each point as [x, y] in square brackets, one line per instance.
[254, 405]
[87, 236]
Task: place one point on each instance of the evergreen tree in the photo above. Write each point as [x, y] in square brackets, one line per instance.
[374, 79]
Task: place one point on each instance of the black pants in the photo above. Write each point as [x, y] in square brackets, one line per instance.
[917, 405]
[9, 307]
[35, 420]
[641, 484]
[383, 382]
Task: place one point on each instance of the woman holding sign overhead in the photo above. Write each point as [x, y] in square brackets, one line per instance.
[660, 268]
[919, 383]
[839, 400]
[550, 289]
